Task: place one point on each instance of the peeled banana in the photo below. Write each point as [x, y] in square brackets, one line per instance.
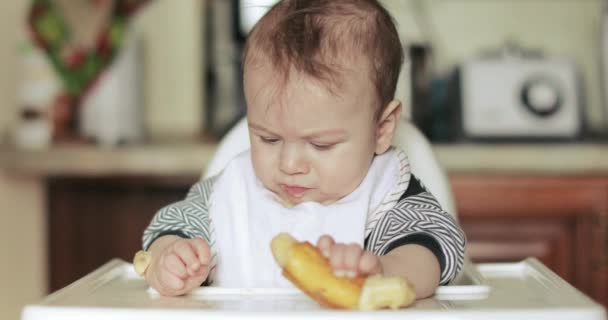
[309, 270]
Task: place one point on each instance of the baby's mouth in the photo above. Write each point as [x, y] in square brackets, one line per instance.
[294, 190]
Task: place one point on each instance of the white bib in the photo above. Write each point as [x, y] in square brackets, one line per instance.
[246, 217]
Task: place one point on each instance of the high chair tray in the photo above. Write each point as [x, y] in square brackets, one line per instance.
[522, 290]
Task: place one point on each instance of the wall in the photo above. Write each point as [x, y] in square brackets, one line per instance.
[22, 243]
[22, 234]
[460, 28]
[173, 95]
[172, 34]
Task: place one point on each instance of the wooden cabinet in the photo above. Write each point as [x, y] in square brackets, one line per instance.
[560, 220]
[92, 220]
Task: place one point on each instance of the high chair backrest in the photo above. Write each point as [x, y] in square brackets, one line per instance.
[422, 159]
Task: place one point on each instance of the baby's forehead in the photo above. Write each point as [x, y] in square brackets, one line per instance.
[269, 90]
[334, 78]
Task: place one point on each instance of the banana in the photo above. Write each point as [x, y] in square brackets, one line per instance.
[309, 270]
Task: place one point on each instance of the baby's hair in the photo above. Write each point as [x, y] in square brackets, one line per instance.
[320, 37]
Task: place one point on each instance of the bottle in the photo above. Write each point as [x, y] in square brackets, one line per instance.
[38, 89]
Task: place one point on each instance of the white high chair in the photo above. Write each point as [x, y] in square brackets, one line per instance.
[423, 162]
[520, 290]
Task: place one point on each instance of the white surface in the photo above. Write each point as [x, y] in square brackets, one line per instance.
[524, 290]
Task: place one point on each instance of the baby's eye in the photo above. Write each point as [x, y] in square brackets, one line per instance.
[322, 146]
[269, 140]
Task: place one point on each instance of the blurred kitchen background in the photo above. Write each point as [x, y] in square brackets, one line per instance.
[112, 108]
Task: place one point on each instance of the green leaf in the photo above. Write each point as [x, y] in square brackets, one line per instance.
[91, 67]
[117, 32]
[51, 29]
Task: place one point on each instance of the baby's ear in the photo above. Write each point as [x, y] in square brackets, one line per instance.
[387, 126]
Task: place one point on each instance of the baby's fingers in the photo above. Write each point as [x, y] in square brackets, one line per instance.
[184, 250]
[336, 259]
[369, 263]
[169, 284]
[352, 257]
[201, 248]
[173, 264]
[325, 244]
[345, 258]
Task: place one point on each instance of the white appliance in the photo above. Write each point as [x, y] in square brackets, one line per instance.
[516, 97]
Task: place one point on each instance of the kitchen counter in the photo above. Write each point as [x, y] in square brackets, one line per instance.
[157, 159]
[562, 159]
[189, 158]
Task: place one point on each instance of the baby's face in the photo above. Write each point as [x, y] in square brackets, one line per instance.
[309, 144]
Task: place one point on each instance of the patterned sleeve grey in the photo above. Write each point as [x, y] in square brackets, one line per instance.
[189, 217]
[421, 214]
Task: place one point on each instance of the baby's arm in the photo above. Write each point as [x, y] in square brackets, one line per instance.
[415, 239]
[415, 263]
[176, 234]
[178, 265]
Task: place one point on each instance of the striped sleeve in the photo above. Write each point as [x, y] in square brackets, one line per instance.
[188, 218]
[419, 217]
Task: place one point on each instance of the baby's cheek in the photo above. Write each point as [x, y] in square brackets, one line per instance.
[340, 183]
[263, 169]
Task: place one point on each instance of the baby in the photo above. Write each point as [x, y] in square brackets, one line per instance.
[319, 79]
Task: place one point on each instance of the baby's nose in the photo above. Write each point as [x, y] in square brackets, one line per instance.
[292, 161]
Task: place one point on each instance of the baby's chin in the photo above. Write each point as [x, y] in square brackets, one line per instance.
[313, 195]
[290, 201]
[326, 201]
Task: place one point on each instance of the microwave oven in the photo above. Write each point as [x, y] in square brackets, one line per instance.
[528, 98]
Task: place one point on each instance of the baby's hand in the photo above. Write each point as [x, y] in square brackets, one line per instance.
[178, 266]
[348, 260]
